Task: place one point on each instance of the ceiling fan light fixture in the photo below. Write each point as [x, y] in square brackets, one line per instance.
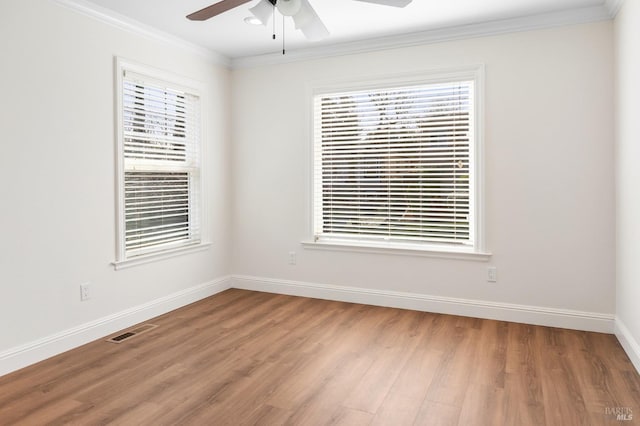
[262, 11]
[289, 7]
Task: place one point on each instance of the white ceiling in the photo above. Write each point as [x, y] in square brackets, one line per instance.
[347, 20]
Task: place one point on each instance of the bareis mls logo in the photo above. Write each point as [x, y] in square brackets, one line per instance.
[620, 413]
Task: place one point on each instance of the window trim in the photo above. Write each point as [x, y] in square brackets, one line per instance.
[431, 76]
[422, 250]
[121, 261]
[160, 255]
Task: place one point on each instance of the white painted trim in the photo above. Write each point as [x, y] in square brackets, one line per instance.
[158, 256]
[536, 315]
[122, 22]
[30, 353]
[433, 251]
[630, 345]
[471, 72]
[184, 84]
[18, 357]
[438, 35]
[602, 12]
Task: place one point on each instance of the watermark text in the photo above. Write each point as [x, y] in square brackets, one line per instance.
[620, 413]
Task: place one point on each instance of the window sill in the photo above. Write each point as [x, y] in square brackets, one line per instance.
[399, 249]
[155, 257]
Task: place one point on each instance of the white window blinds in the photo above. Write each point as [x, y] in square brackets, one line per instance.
[394, 164]
[160, 144]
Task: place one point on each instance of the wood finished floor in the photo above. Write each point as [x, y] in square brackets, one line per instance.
[244, 357]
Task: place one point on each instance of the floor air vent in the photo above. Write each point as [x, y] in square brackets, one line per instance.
[131, 333]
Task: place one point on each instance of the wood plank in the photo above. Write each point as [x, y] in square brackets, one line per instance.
[523, 384]
[350, 417]
[483, 405]
[245, 358]
[404, 400]
[436, 414]
[453, 374]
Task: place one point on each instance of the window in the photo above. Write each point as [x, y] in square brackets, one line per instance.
[395, 165]
[159, 164]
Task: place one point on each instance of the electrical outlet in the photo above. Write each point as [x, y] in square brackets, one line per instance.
[85, 292]
[292, 258]
[492, 274]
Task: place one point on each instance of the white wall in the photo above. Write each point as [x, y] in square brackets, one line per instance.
[57, 221]
[549, 172]
[627, 35]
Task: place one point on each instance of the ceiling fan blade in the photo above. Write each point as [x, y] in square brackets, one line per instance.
[215, 9]
[394, 3]
[308, 21]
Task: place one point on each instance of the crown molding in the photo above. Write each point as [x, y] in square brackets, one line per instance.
[497, 27]
[607, 10]
[614, 7]
[121, 22]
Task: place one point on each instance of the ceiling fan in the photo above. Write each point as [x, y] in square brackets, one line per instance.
[304, 16]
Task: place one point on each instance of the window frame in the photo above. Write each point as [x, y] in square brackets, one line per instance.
[477, 251]
[163, 251]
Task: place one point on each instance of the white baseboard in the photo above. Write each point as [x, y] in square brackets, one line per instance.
[22, 356]
[630, 345]
[561, 318]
